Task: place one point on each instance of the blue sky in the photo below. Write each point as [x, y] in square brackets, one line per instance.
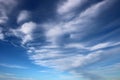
[59, 40]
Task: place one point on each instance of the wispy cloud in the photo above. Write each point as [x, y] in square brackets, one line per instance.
[104, 45]
[98, 46]
[101, 72]
[23, 16]
[77, 27]
[5, 9]
[69, 5]
[70, 44]
[11, 77]
[25, 31]
[55, 33]
[13, 66]
[1, 34]
[67, 62]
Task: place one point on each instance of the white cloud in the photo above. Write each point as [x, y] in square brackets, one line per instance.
[13, 66]
[69, 5]
[28, 27]
[82, 22]
[108, 69]
[75, 45]
[96, 9]
[23, 16]
[99, 46]
[78, 26]
[25, 32]
[26, 38]
[102, 72]
[5, 9]
[3, 18]
[103, 45]
[9, 74]
[89, 13]
[66, 62]
[47, 54]
[12, 77]
[50, 46]
[1, 34]
[54, 33]
[55, 56]
[61, 61]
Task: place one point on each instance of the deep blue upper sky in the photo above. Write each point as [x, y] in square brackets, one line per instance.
[59, 40]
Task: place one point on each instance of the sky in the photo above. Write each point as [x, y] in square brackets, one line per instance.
[59, 40]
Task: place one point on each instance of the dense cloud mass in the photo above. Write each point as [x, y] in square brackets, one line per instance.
[77, 36]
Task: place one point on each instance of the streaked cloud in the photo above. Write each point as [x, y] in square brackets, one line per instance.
[11, 77]
[68, 5]
[94, 47]
[65, 62]
[13, 66]
[104, 45]
[55, 32]
[79, 44]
